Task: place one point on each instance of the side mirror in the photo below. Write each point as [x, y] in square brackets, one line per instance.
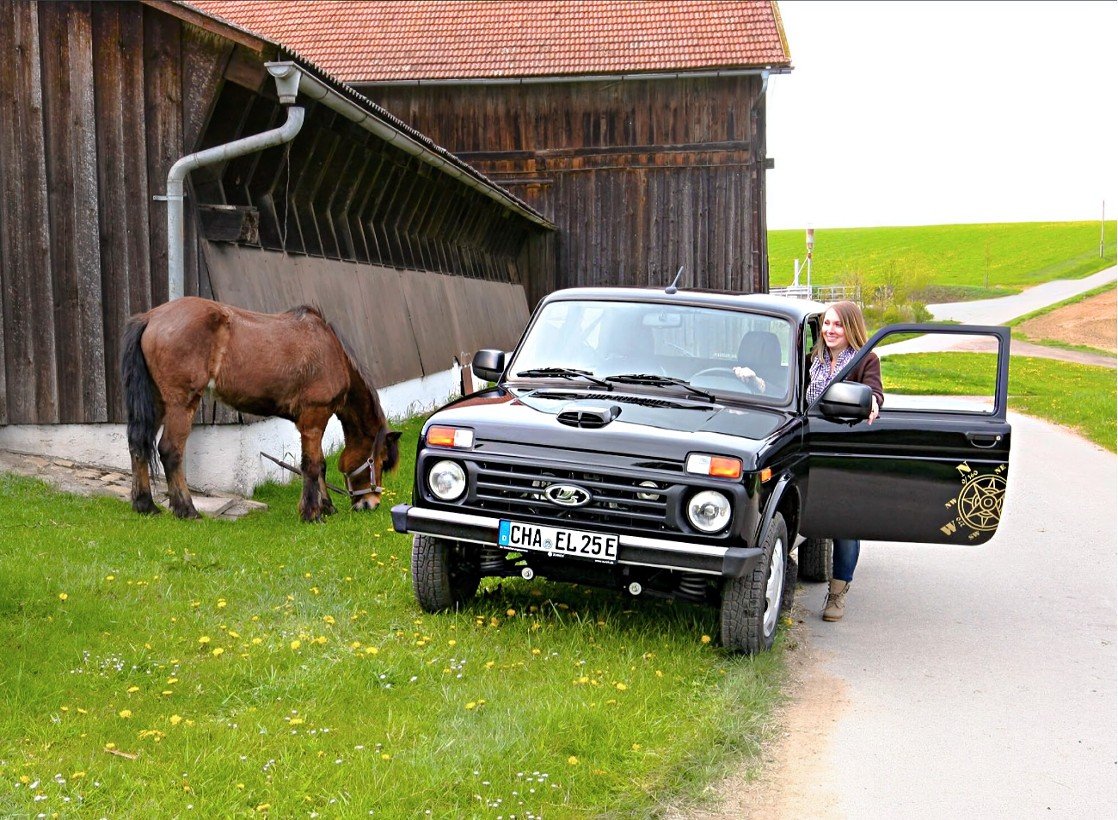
[846, 401]
[489, 364]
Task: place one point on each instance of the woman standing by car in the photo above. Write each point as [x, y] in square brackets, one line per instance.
[843, 333]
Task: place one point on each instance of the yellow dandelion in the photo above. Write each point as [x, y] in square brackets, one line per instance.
[636, 747]
[24, 779]
[166, 693]
[490, 664]
[329, 619]
[471, 705]
[371, 650]
[621, 687]
[452, 642]
[125, 713]
[62, 596]
[233, 634]
[205, 639]
[510, 612]
[705, 639]
[263, 807]
[295, 644]
[218, 652]
[241, 786]
[175, 719]
[257, 641]
[221, 604]
[295, 721]
[110, 577]
[572, 760]
[133, 689]
[386, 756]
[535, 651]
[659, 674]
[172, 680]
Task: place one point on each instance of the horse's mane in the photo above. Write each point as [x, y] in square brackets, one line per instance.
[302, 311]
[359, 369]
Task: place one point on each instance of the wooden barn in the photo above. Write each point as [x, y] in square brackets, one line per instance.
[415, 255]
[638, 128]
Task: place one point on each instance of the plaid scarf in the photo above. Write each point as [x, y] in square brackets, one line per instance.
[821, 372]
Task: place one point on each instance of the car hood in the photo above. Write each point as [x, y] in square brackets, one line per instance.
[660, 424]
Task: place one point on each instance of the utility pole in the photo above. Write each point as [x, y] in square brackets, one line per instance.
[1102, 231]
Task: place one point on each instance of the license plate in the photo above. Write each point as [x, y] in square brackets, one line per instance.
[557, 541]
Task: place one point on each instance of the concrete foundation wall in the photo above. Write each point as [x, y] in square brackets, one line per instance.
[222, 458]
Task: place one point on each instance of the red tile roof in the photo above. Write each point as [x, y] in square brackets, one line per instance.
[402, 40]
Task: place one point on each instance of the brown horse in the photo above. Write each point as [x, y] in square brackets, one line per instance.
[293, 365]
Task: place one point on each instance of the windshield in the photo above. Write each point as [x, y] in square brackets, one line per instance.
[593, 340]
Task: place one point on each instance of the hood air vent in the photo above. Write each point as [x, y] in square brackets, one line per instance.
[587, 416]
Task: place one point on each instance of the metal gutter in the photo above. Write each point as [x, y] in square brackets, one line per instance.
[287, 85]
[319, 91]
[577, 78]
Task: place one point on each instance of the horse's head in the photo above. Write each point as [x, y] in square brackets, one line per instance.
[363, 478]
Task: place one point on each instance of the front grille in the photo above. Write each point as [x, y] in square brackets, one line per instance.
[618, 499]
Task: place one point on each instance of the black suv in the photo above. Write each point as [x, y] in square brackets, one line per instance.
[618, 448]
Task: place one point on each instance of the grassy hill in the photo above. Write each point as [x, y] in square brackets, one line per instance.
[1003, 258]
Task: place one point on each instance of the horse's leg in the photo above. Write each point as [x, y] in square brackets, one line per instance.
[328, 507]
[311, 426]
[142, 501]
[172, 444]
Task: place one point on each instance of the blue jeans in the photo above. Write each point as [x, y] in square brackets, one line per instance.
[845, 558]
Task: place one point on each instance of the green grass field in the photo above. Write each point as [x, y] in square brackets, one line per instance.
[1077, 396]
[165, 668]
[949, 256]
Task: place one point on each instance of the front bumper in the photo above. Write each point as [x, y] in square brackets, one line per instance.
[634, 550]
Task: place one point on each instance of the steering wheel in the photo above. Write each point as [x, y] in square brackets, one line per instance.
[724, 373]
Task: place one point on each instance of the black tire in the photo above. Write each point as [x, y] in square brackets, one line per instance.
[444, 576]
[750, 605]
[815, 557]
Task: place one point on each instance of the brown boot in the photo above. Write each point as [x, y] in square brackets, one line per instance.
[836, 600]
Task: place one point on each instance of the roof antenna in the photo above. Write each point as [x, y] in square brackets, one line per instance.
[672, 287]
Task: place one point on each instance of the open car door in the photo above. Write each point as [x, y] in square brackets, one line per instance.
[932, 468]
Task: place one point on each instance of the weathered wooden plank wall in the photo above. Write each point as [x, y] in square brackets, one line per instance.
[100, 99]
[640, 176]
[96, 92]
[29, 341]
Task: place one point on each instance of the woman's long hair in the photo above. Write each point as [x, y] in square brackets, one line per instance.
[852, 322]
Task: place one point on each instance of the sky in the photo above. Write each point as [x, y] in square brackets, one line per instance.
[927, 113]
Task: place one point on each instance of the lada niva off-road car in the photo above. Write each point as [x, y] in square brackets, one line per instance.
[618, 448]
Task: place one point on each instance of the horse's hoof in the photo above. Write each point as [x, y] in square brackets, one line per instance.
[186, 514]
[146, 506]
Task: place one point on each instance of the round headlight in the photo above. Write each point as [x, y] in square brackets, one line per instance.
[708, 511]
[447, 480]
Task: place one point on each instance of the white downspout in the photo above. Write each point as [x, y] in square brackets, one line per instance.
[287, 86]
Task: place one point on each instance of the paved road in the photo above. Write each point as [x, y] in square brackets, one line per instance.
[980, 681]
[999, 311]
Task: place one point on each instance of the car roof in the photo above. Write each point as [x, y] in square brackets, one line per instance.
[795, 309]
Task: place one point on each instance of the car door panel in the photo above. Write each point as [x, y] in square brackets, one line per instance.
[928, 476]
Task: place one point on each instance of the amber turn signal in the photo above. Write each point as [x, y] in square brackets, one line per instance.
[714, 466]
[450, 437]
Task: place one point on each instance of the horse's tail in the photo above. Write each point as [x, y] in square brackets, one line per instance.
[139, 399]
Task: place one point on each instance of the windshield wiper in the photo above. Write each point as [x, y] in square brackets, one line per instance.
[654, 380]
[563, 373]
